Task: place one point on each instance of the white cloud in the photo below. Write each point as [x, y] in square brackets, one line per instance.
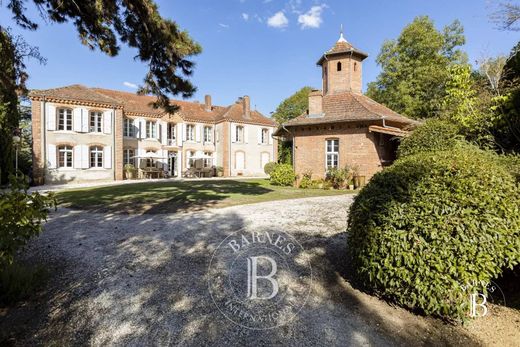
[312, 18]
[278, 20]
[245, 16]
[130, 85]
[223, 25]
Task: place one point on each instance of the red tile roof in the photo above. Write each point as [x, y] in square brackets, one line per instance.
[349, 107]
[140, 105]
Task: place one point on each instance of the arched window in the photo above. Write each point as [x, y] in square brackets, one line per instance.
[355, 66]
[96, 156]
[339, 66]
[64, 156]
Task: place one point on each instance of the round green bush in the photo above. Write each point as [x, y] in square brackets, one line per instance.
[433, 135]
[269, 167]
[425, 228]
[283, 175]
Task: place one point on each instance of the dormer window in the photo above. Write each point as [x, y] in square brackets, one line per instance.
[339, 66]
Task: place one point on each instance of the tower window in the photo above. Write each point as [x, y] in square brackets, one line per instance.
[339, 66]
[355, 66]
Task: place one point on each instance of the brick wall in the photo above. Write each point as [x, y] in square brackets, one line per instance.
[37, 156]
[348, 79]
[357, 146]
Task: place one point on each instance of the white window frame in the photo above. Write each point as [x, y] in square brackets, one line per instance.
[128, 153]
[265, 136]
[66, 114]
[66, 150]
[239, 134]
[332, 152]
[172, 131]
[190, 132]
[95, 122]
[98, 156]
[208, 131]
[189, 160]
[151, 129]
[128, 127]
[207, 162]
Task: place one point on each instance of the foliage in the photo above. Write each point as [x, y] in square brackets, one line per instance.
[293, 106]
[430, 224]
[508, 16]
[285, 152]
[433, 135]
[137, 23]
[129, 168]
[512, 163]
[220, 169]
[415, 67]
[22, 215]
[337, 177]
[18, 281]
[283, 175]
[269, 167]
[306, 181]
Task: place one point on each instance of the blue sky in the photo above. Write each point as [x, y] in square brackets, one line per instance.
[263, 48]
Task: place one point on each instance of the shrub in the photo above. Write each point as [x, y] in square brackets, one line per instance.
[306, 181]
[336, 177]
[22, 215]
[430, 224]
[512, 163]
[433, 135]
[283, 175]
[269, 167]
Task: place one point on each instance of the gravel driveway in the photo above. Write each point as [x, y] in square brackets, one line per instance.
[142, 280]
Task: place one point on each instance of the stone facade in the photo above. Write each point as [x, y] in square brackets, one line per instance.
[79, 147]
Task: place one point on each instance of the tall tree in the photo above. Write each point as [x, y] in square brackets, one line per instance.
[507, 16]
[294, 106]
[103, 24]
[415, 67]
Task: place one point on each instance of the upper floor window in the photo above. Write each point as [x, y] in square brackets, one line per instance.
[190, 132]
[332, 154]
[65, 156]
[265, 136]
[96, 156]
[64, 119]
[95, 121]
[239, 134]
[339, 66]
[207, 134]
[172, 132]
[128, 156]
[128, 128]
[151, 129]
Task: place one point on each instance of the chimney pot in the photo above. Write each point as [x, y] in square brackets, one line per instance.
[247, 106]
[207, 102]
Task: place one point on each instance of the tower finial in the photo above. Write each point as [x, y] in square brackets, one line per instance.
[341, 37]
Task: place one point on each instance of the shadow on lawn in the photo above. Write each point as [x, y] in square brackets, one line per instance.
[159, 197]
[142, 280]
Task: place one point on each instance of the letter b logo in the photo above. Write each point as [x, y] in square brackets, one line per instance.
[253, 277]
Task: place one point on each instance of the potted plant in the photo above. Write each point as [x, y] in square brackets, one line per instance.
[351, 184]
[220, 171]
[129, 171]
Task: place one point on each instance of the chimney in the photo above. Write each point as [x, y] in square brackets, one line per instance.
[207, 102]
[315, 103]
[247, 106]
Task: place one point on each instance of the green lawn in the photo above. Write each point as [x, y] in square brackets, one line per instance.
[170, 197]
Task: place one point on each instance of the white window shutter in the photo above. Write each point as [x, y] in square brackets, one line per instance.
[233, 132]
[197, 132]
[107, 157]
[135, 124]
[50, 114]
[259, 136]
[179, 134]
[184, 133]
[164, 133]
[51, 156]
[85, 157]
[107, 122]
[76, 119]
[84, 120]
[269, 136]
[142, 133]
[77, 157]
[246, 133]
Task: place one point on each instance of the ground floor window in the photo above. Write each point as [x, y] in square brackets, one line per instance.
[332, 154]
[208, 162]
[240, 160]
[96, 156]
[65, 156]
[128, 156]
[189, 159]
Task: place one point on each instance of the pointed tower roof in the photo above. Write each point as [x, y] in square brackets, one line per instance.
[342, 46]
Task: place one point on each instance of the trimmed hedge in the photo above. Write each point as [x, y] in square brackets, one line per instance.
[283, 175]
[424, 228]
[269, 167]
[433, 135]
